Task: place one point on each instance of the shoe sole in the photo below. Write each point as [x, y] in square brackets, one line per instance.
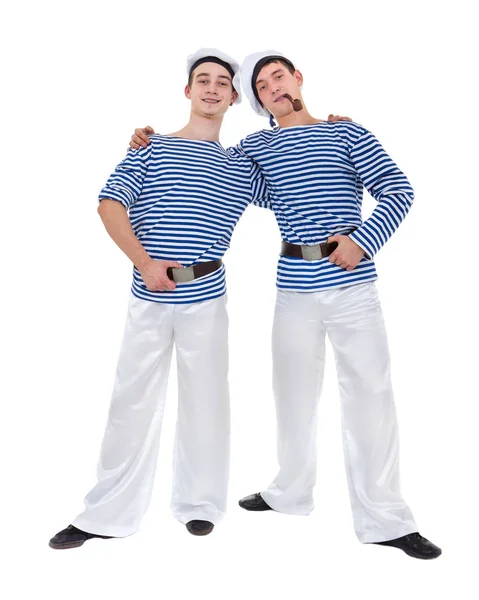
[200, 533]
[66, 545]
[411, 554]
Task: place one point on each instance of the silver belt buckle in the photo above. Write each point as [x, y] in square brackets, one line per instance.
[311, 252]
[182, 275]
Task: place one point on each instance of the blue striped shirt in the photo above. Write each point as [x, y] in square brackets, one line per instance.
[315, 176]
[184, 198]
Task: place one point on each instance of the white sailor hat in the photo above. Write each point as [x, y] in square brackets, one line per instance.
[220, 58]
[250, 68]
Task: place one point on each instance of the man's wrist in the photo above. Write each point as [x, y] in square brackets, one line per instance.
[366, 253]
[143, 262]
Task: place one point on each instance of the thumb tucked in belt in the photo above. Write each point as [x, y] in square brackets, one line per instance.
[194, 272]
[315, 252]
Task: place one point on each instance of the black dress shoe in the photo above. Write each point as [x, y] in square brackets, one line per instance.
[199, 527]
[72, 537]
[254, 502]
[414, 545]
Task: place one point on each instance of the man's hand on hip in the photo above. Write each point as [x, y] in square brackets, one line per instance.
[348, 254]
[154, 275]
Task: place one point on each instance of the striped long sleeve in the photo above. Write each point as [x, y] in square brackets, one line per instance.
[388, 185]
[126, 182]
[259, 190]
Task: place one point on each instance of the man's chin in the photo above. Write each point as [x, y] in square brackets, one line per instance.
[213, 109]
[213, 114]
[278, 114]
[280, 109]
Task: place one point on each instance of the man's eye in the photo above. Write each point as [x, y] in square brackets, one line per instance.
[203, 81]
[279, 76]
[262, 88]
[223, 83]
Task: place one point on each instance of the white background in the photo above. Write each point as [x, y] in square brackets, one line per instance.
[77, 79]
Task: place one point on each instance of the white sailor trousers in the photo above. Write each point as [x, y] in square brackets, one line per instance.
[352, 318]
[129, 451]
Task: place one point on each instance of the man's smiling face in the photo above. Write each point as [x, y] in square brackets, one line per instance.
[211, 90]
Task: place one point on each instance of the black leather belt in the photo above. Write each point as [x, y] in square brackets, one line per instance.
[316, 252]
[194, 272]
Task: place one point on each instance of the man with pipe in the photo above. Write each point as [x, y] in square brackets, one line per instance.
[315, 172]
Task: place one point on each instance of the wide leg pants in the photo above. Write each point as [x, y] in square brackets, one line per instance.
[128, 456]
[352, 318]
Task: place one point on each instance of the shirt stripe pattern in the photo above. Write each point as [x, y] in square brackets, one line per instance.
[184, 198]
[315, 176]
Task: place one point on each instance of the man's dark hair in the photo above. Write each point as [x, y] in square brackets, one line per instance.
[213, 59]
[286, 64]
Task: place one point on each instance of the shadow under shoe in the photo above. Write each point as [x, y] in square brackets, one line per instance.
[414, 545]
[198, 527]
[254, 502]
[72, 537]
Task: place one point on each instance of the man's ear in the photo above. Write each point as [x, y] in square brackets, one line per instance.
[188, 92]
[234, 97]
[299, 77]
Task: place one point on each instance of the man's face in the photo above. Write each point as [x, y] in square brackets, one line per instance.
[211, 90]
[273, 81]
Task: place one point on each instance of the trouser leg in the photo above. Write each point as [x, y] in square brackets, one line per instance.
[356, 329]
[129, 451]
[298, 369]
[202, 440]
